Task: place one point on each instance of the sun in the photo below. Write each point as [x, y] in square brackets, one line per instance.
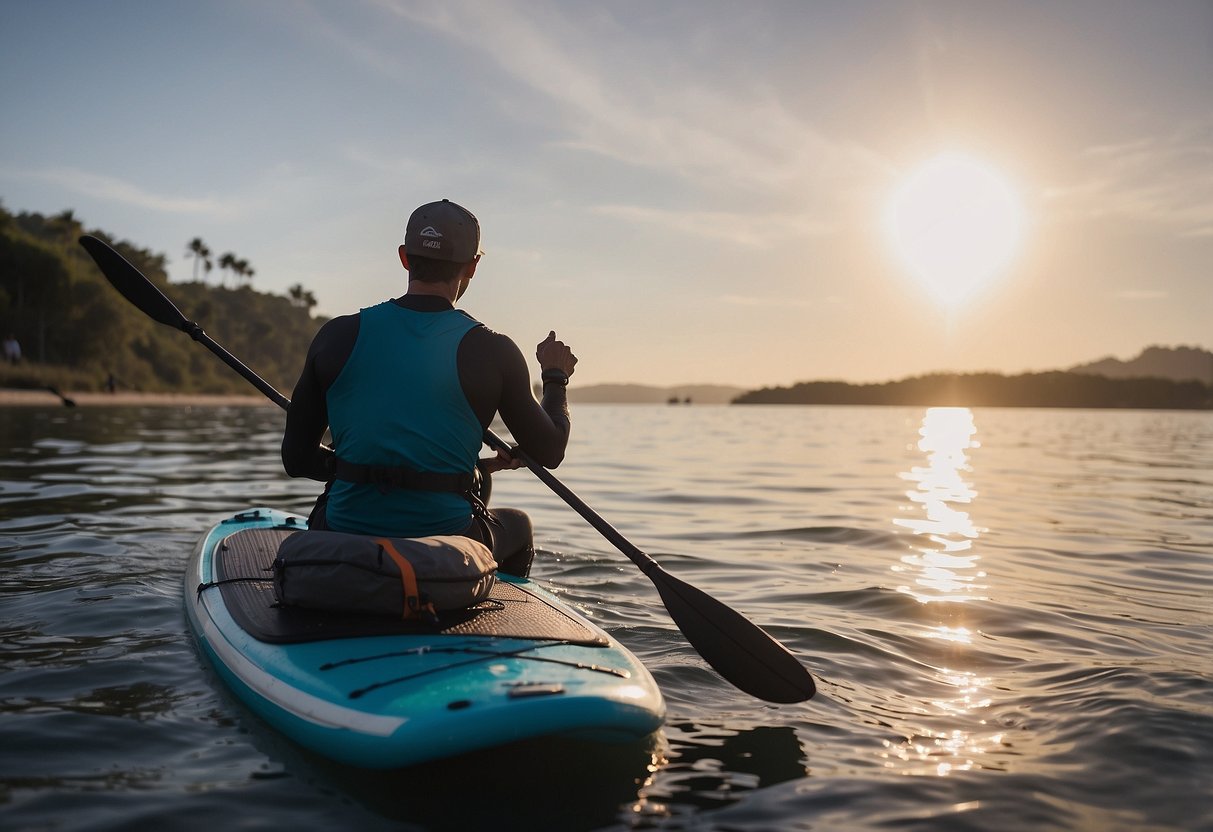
[956, 224]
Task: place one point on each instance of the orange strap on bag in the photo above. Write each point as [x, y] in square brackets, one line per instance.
[413, 607]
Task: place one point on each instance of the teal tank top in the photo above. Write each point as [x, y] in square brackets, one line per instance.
[398, 401]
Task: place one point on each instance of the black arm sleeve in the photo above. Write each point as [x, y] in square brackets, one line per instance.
[495, 379]
[307, 419]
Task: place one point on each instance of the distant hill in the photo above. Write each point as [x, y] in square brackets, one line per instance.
[1055, 389]
[1174, 363]
[645, 394]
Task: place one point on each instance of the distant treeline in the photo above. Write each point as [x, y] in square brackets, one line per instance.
[68, 319]
[1053, 389]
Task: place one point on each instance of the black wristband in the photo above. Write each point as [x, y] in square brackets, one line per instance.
[555, 377]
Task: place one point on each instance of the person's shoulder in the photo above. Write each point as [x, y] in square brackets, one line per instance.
[487, 348]
[336, 331]
[484, 338]
[341, 322]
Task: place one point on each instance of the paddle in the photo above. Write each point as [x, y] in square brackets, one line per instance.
[66, 401]
[738, 649]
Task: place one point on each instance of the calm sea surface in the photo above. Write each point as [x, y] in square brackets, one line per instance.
[1009, 614]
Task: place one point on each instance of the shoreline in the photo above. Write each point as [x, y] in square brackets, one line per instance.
[10, 397]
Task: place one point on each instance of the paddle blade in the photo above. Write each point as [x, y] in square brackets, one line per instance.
[132, 284]
[735, 647]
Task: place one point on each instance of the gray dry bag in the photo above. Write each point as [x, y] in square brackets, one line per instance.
[403, 577]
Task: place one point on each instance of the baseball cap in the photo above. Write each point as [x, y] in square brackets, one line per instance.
[444, 231]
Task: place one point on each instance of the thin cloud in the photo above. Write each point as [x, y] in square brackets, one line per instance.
[610, 106]
[112, 189]
[1141, 294]
[743, 300]
[1165, 180]
[399, 165]
[744, 230]
[767, 302]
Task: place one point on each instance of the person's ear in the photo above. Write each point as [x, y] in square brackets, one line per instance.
[404, 258]
[471, 268]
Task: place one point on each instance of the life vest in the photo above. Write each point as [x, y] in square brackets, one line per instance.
[396, 410]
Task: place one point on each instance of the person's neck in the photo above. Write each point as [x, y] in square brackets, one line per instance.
[447, 291]
[424, 301]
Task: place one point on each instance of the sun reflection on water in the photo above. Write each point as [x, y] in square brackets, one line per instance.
[961, 738]
[941, 570]
[941, 562]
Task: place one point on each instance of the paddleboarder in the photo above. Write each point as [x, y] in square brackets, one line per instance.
[407, 389]
[732, 644]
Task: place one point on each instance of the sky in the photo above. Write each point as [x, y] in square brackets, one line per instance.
[687, 192]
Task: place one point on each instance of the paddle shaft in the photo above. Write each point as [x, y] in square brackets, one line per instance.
[66, 401]
[195, 332]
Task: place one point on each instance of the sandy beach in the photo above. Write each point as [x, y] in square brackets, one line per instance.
[17, 398]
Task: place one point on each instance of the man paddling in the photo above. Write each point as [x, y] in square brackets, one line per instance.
[407, 389]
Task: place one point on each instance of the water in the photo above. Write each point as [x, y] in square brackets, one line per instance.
[1008, 613]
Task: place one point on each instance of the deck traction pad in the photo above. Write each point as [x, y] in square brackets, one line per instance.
[244, 558]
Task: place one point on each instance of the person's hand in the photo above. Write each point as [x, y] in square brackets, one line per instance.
[555, 355]
[502, 462]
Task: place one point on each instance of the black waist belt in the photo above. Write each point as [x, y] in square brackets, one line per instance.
[387, 477]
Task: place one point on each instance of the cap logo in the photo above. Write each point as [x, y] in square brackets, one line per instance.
[430, 231]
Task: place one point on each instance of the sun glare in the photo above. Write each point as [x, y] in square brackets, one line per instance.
[955, 224]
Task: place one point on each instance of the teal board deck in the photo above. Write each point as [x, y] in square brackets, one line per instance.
[380, 693]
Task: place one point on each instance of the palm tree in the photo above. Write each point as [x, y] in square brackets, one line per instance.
[301, 297]
[201, 254]
[244, 270]
[228, 261]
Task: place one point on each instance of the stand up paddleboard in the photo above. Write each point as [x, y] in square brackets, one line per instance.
[379, 692]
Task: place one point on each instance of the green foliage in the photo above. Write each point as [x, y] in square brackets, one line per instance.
[72, 324]
[30, 376]
[1054, 389]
